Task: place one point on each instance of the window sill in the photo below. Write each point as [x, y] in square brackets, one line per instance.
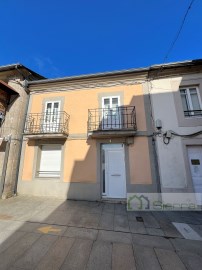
[52, 179]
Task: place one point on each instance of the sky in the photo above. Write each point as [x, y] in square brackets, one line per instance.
[73, 37]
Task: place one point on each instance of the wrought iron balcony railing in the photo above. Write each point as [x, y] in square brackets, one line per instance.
[41, 123]
[109, 119]
[193, 113]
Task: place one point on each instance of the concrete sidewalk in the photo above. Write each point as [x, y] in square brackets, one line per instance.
[44, 233]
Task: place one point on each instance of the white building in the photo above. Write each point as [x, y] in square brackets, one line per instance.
[175, 92]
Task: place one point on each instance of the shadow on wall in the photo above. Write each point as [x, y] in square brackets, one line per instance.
[84, 170]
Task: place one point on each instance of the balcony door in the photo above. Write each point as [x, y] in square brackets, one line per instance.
[51, 121]
[111, 114]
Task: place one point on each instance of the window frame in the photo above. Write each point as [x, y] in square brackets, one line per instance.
[111, 108]
[37, 174]
[189, 100]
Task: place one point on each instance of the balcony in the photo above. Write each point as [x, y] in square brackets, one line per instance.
[112, 122]
[193, 113]
[47, 125]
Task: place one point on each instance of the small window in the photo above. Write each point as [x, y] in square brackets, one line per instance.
[191, 101]
[50, 161]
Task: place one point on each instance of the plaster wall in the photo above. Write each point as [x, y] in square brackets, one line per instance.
[167, 106]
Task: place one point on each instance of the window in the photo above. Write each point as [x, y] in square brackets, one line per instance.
[50, 161]
[191, 101]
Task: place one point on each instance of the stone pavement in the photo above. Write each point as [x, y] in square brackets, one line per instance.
[44, 233]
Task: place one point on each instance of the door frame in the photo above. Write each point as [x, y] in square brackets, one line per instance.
[110, 146]
[50, 125]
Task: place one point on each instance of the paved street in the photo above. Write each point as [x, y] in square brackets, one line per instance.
[40, 233]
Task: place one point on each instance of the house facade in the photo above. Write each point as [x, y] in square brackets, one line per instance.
[13, 107]
[89, 137]
[176, 97]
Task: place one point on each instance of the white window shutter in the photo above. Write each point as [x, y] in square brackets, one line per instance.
[50, 161]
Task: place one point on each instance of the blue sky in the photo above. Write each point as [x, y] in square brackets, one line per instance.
[64, 38]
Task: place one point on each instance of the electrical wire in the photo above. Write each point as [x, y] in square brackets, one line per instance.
[187, 135]
[175, 39]
[178, 32]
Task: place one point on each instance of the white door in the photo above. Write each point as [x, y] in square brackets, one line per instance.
[195, 162]
[51, 121]
[111, 113]
[114, 184]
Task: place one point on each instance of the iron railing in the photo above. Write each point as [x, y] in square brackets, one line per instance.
[191, 113]
[118, 118]
[37, 123]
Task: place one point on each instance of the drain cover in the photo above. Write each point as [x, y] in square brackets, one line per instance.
[139, 219]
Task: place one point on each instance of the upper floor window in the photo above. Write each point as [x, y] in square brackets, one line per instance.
[191, 101]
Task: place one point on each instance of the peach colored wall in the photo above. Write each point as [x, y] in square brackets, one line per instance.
[78, 102]
[140, 169]
[80, 160]
[28, 161]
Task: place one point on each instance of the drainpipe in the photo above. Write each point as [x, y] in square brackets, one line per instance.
[8, 142]
[155, 153]
[156, 165]
[21, 141]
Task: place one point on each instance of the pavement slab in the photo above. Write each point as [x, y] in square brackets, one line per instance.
[36, 252]
[108, 208]
[166, 225]
[113, 237]
[150, 221]
[100, 257]
[137, 227]
[9, 256]
[120, 209]
[121, 223]
[78, 255]
[169, 260]
[83, 233]
[56, 255]
[192, 246]
[146, 258]
[151, 241]
[154, 231]
[122, 257]
[190, 260]
[106, 221]
[8, 238]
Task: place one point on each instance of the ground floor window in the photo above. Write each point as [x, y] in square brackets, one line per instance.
[50, 161]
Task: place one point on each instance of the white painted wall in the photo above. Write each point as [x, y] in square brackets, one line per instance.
[173, 166]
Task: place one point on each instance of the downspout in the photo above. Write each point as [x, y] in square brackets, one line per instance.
[21, 140]
[156, 162]
[8, 142]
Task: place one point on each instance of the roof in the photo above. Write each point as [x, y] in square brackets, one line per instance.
[20, 66]
[121, 72]
[7, 88]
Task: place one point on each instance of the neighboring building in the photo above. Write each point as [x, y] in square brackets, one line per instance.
[176, 95]
[13, 106]
[89, 137]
